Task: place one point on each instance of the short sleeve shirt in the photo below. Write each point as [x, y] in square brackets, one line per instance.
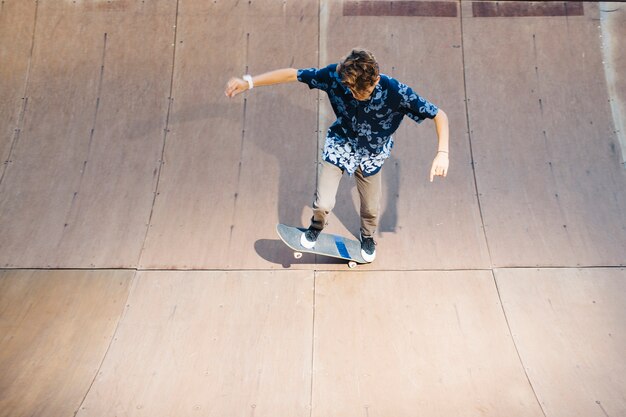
[361, 137]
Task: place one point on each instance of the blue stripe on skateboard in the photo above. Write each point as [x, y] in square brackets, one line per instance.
[341, 247]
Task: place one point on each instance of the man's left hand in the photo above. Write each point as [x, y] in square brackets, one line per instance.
[440, 166]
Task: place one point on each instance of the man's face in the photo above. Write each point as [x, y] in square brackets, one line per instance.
[363, 95]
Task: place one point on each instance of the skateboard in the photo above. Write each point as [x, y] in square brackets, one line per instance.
[327, 245]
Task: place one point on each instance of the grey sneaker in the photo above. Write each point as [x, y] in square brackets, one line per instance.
[309, 237]
[368, 248]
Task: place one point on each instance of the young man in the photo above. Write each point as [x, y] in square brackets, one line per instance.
[369, 107]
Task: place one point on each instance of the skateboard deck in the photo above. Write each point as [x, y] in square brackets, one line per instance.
[327, 245]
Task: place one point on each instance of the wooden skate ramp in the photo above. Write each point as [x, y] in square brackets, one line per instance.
[210, 343]
[55, 329]
[548, 172]
[436, 350]
[79, 188]
[234, 168]
[498, 291]
[125, 152]
[16, 28]
[446, 345]
[527, 342]
[569, 329]
[421, 222]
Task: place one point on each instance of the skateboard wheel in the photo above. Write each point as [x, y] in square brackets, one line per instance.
[297, 255]
[351, 264]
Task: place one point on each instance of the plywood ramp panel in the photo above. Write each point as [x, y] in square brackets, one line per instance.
[613, 25]
[80, 188]
[568, 325]
[232, 166]
[422, 224]
[415, 343]
[547, 161]
[210, 343]
[55, 328]
[17, 19]
[279, 153]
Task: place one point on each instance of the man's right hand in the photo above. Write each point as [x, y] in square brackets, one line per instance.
[235, 86]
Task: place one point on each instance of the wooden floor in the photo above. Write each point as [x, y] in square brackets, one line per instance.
[141, 273]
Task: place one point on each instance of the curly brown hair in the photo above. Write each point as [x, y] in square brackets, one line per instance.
[359, 70]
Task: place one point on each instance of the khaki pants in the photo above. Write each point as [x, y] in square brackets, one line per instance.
[369, 192]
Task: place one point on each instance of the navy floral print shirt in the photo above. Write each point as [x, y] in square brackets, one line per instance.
[362, 134]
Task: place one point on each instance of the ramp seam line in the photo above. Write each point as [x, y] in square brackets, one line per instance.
[315, 269]
[121, 318]
[92, 133]
[165, 135]
[519, 356]
[322, 59]
[317, 166]
[22, 114]
[618, 110]
[321, 50]
[469, 135]
[313, 345]
[241, 148]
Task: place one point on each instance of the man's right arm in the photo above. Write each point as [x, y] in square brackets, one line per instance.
[237, 85]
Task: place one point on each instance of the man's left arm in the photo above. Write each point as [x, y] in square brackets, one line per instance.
[441, 162]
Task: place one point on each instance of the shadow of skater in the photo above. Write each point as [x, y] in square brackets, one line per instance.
[391, 192]
[277, 130]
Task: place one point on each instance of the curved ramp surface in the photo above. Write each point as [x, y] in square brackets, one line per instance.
[55, 329]
[497, 291]
[125, 153]
[569, 328]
